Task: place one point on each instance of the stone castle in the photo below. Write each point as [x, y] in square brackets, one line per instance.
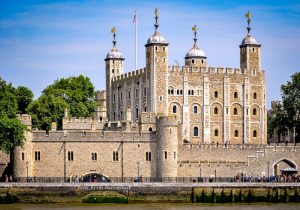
[165, 121]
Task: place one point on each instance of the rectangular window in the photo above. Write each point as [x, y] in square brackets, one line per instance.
[121, 96]
[115, 156]
[136, 93]
[23, 156]
[177, 92]
[174, 155]
[94, 156]
[145, 91]
[70, 155]
[128, 94]
[160, 98]
[114, 99]
[166, 155]
[148, 156]
[226, 110]
[37, 155]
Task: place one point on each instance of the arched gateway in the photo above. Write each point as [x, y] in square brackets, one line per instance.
[284, 164]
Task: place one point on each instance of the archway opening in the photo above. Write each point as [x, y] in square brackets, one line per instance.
[285, 167]
[95, 177]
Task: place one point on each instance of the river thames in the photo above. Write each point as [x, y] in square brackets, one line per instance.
[153, 206]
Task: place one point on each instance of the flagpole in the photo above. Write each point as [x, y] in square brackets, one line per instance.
[135, 41]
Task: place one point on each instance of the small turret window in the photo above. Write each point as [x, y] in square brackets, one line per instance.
[193, 61]
[195, 110]
[216, 110]
[156, 48]
[254, 95]
[253, 49]
[254, 111]
[253, 72]
[216, 94]
[216, 132]
[254, 133]
[174, 109]
[196, 131]
[202, 61]
[235, 95]
[164, 49]
[235, 111]
[236, 133]
[112, 71]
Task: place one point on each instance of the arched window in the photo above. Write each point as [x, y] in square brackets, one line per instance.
[236, 133]
[216, 132]
[216, 110]
[235, 111]
[216, 94]
[174, 109]
[254, 133]
[195, 110]
[235, 95]
[254, 111]
[254, 95]
[196, 131]
[150, 129]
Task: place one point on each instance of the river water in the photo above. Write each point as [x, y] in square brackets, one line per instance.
[153, 206]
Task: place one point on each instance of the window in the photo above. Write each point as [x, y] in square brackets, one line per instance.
[235, 111]
[174, 109]
[160, 98]
[145, 109]
[23, 156]
[112, 71]
[156, 48]
[174, 155]
[137, 113]
[254, 111]
[254, 133]
[216, 94]
[236, 133]
[121, 96]
[247, 111]
[226, 110]
[180, 92]
[145, 91]
[94, 156]
[70, 155]
[166, 155]
[253, 49]
[196, 132]
[164, 49]
[202, 61]
[83, 133]
[114, 97]
[254, 95]
[37, 155]
[150, 129]
[128, 94]
[115, 156]
[114, 116]
[136, 93]
[195, 110]
[253, 72]
[216, 132]
[235, 95]
[193, 61]
[177, 92]
[148, 156]
[216, 110]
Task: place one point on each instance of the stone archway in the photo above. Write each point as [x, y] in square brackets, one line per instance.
[94, 176]
[282, 164]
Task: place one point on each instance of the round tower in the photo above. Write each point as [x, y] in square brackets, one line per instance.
[114, 67]
[167, 146]
[195, 57]
[22, 162]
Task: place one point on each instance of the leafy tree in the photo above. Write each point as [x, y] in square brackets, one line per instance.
[277, 120]
[11, 129]
[291, 102]
[24, 97]
[75, 93]
[11, 133]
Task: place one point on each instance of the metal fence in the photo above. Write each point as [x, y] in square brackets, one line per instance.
[154, 179]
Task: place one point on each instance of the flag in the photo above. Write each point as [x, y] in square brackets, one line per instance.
[248, 15]
[134, 18]
[113, 30]
[194, 28]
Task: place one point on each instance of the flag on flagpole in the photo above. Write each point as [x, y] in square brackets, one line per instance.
[134, 18]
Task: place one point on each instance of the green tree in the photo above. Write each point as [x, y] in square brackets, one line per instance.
[291, 102]
[75, 93]
[277, 120]
[11, 129]
[24, 97]
[11, 133]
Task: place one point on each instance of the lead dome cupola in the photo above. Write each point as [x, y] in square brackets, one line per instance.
[195, 51]
[114, 53]
[249, 39]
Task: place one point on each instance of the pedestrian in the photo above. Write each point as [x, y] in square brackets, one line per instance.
[10, 178]
[6, 178]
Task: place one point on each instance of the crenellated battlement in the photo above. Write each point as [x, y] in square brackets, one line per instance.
[82, 123]
[129, 74]
[210, 70]
[25, 119]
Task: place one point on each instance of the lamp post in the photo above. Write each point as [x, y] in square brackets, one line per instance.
[268, 170]
[26, 171]
[215, 175]
[138, 170]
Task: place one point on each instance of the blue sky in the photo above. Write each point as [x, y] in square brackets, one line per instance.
[42, 40]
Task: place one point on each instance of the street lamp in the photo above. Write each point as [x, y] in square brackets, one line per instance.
[26, 171]
[138, 170]
[268, 170]
[215, 175]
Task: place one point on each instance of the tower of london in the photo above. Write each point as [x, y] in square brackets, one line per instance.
[165, 121]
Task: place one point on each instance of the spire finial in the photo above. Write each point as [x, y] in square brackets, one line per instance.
[195, 29]
[156, 19]
[113, 31]
[248, 16]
